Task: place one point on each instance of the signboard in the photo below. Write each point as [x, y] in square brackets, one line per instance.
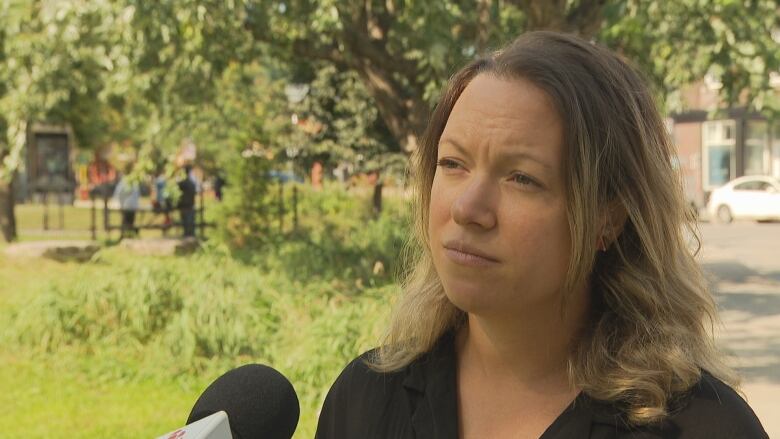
[48, 160]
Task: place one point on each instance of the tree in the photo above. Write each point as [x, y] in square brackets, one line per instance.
[736, 43]
[152, 73]
[403, 51]
[55, 59]
[338, 123]
[112, 70]
[174, 54]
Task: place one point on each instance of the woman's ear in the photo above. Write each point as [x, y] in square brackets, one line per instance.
[613, 221]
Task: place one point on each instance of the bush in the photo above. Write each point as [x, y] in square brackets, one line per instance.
[128, 318]
[245, 214]
[198, 307]
[339, 238]
[305, 302]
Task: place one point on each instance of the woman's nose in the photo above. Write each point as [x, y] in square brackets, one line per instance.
[474, 204]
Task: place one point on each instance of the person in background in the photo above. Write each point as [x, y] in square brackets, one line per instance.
[187, 202]
[128, 193]
[219, 185]
[161, 199]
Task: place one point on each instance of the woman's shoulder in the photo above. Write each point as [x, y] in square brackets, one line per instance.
[710, 409]
[363, 401]
[714, 409]
[360, 375]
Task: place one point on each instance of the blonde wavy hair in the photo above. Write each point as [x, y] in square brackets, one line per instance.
[649, 333]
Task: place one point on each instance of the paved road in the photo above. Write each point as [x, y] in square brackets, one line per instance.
[742, 261]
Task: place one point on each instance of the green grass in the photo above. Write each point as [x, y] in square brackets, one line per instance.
[77, 222]
[122, 346]
[55, 399]
[20, 280]
[30, 217]
[57, 396]
[113, 386]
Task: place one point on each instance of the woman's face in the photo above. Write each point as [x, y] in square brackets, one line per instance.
[498, 225]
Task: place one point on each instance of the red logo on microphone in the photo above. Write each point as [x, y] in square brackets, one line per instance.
[177, 434]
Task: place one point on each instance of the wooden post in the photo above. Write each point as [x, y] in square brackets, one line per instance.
[93, 216]
[200, 215]
[45, 210]
[61, 210]
[377, 198]
[8, 230]
[106, 225]
[295, 208]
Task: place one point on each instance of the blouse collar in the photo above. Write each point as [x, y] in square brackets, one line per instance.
[431, 389]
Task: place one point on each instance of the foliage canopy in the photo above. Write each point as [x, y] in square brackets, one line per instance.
[152, 74]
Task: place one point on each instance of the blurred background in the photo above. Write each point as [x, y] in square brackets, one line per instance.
[191, 185]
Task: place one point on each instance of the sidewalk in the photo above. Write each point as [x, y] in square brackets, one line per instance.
[743, 267]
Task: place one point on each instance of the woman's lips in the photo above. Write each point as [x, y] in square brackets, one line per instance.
[468, 259]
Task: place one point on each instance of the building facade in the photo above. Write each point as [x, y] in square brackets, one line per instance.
[716, 146]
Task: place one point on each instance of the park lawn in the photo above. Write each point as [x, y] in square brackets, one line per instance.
[28, 236]
[48, 396]
[20, 279]
[55, 399]
[30, 217]
[103, 391]
[77, 222]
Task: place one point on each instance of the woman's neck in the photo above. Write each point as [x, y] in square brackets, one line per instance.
[529, 349]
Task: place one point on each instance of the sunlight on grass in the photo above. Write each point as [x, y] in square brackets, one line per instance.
[77, 222]
[30, 217]
[122, 346]
[21, 279]
[52, 399]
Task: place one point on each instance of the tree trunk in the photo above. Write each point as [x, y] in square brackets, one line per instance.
[361, 45]
[583, 18]
[405, 118]
[377, 198]
[402, 108]
[7, 217]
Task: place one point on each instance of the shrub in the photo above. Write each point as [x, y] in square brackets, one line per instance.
[245, 214]
[168, 317]
[340, 238]
[202, 306]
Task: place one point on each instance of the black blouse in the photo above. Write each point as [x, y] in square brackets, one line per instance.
[420, 401]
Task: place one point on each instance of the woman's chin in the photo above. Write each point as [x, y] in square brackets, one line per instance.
[470, 298]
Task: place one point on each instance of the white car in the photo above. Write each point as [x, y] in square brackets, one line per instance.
[752, 197]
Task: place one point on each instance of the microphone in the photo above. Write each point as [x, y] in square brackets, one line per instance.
[250, 402]
[214, 426]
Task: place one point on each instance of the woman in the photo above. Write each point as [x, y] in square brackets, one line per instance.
[554, 294]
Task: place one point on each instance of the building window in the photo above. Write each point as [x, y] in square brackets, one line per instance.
[756, 153]
[719, 144]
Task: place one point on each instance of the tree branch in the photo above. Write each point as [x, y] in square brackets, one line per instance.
[356, 36]
[543, 14]
[380, 20]
[330, 52]
[483, 23]
[586, 18]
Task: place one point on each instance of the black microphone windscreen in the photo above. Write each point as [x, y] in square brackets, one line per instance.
[259, 401]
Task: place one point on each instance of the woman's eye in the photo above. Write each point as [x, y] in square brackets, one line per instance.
[523, 179]
[448, 164]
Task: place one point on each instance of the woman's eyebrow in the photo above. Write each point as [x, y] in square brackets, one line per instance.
[504, 155]
[522, 155]
[455, 144]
